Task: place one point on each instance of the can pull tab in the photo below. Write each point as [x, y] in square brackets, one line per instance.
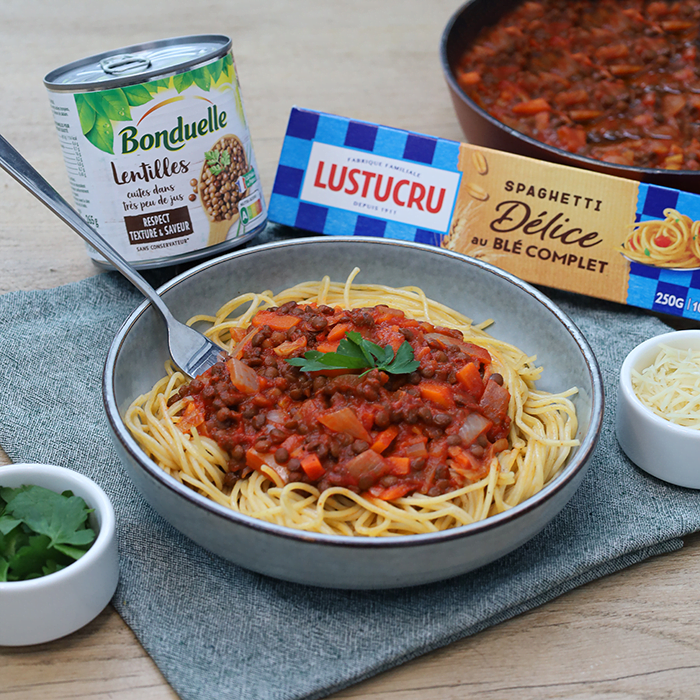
[124, 63]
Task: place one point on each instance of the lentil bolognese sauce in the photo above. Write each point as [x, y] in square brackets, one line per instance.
[614, 80]
[332, 415]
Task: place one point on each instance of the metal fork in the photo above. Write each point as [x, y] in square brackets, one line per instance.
[192, 352]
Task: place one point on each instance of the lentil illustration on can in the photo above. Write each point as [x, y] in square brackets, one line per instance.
[158, 151]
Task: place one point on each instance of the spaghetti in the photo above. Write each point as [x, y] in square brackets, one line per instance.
[419, 452]
[672, 242]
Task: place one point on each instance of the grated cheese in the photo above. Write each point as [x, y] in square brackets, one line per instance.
[670, 386]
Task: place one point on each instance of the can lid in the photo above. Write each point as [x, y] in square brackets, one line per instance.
[138, 63]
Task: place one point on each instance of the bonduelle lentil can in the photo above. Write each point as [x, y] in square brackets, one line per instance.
[158, 151]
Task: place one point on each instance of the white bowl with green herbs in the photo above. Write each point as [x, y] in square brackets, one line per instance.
[59, 564]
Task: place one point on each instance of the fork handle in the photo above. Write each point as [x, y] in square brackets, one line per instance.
[27, 176]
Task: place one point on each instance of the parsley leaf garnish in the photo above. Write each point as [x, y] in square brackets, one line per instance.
[41, 531]
[355, 352]
[216, 162]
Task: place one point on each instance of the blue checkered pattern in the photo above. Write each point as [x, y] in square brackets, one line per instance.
[667, 291]
[304, 128]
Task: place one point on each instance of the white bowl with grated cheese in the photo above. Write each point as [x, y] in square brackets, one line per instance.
[658, 407]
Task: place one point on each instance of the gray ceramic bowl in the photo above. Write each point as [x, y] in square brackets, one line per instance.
[523, 316]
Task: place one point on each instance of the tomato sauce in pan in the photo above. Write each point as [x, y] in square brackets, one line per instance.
[615, 80]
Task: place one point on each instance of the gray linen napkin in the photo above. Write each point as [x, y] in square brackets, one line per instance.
[218, 631]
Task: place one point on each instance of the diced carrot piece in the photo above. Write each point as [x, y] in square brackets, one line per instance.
[539, 104]
[383, 314]
[400, 466]
[675, 25]
[338, 332]
[541, 121]
[466, 464]
[571, 138]
[569, 98]
[609, 52]
[385, 438]
[467, 79]
[672, 104]
[476, 351]
[312, 466]
[193, 416]
[441, 394]
[391, 493]
[390, 336]
[237, 334]
[471, 380]
[289, 346]
[464, 458]
[328, 346]
[275, 321]
[584, 115]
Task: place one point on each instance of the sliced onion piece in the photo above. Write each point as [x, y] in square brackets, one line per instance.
[238, 349]
[474, 425]
[265, 463]
[494, 401]
[367, 463]
[416, 450]
[286, 348]
[346, 421]
[244, 378]
[276, 416]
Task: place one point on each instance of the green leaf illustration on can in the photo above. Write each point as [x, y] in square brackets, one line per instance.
[228, 67]
[215, 70]
[182, 81]
[86, 114]
[101, 135]
[137, 95]
[202, 78]
[111, 104]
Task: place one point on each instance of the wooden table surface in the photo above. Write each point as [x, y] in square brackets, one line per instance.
[631, 635]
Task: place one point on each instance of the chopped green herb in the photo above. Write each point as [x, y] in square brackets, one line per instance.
[41, 531]
[217, 161]
[355, 352]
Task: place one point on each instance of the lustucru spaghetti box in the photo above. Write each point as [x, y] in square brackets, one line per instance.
[554, 225]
